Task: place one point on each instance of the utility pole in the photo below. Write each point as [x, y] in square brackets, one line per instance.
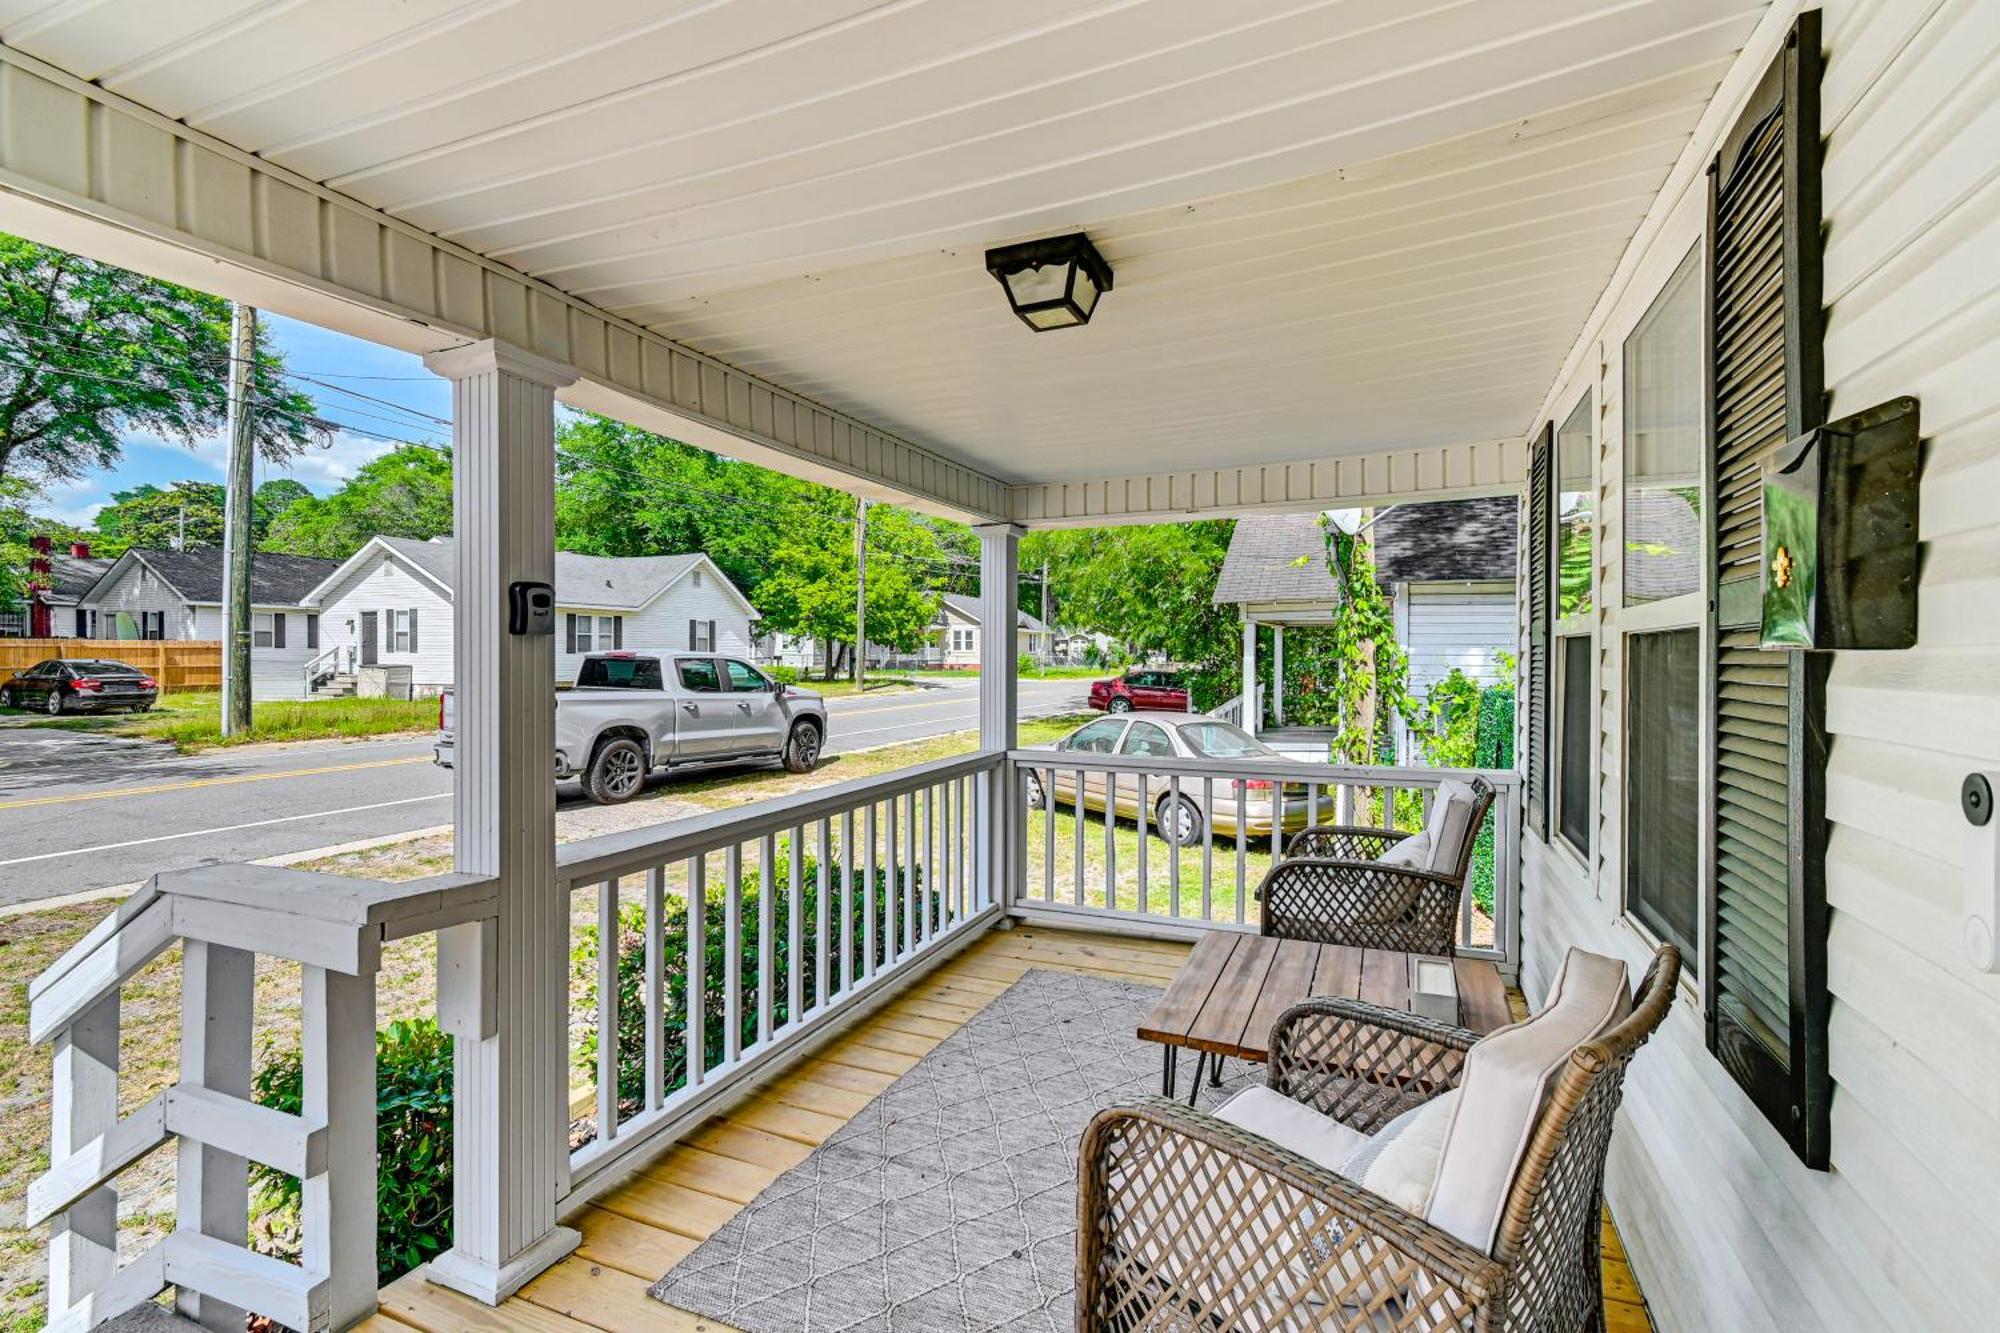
[236, 527]
[860, 590]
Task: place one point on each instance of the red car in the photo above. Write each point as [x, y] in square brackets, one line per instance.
[1140, 689]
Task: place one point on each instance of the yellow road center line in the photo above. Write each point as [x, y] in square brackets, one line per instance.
[212, 782]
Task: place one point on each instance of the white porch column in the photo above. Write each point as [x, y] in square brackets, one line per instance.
[501, 984]
[999, 699]
[1277, 675]
[1253, 716]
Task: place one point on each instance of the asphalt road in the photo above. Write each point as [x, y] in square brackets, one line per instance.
[80, 812]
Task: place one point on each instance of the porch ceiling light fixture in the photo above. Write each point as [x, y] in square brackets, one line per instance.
[1052, 283]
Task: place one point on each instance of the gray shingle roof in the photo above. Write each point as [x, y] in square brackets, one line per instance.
[969, 608]
[1448, 541]
[70, 576]
[1276, 558]
[275, 580]
[614, 582]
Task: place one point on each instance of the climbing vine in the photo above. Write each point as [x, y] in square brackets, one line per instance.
[1351, 676]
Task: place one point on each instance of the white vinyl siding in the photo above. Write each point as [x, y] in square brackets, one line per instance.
[275, 672]
[125, 602]
[385, 585]
[1725, 1228]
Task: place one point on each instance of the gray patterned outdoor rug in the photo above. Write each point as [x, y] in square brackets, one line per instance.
[949, 1203]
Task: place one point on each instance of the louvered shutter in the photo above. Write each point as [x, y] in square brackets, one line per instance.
[413, 629]
[569, 632]
[1541, 512]
[277, 629]
[1765, 973]
[617, 632]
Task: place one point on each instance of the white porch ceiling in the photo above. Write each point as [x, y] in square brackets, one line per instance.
[1338, 227]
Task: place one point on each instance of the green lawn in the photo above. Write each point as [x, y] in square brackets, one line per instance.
[193, 721]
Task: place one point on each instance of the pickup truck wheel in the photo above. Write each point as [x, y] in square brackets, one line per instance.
[617, 772]
[802, 748]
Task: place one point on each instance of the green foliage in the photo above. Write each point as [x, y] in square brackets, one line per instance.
[404, 493]
[149, 516]
[17, 525]
[1151, 586]
[783, 673]
[787, 543]
[1026, 665]
[632, 965]
[1462, 724]
[90, 353]
[1354, 672]
[413, 1066]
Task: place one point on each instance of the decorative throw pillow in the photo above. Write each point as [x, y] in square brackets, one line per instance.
[1406, 1167]
[1357, 1163]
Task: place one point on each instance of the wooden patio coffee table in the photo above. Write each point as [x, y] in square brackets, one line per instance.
[1234, 985]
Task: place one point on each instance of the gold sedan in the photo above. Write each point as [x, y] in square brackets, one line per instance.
[1188, 817]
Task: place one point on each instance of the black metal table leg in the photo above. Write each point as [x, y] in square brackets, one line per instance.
[1168, 1070]
[1194, 1088]
[1215, 1072]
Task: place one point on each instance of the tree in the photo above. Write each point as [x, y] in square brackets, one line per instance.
[405, 493]
[149, 516]
[271, 499]
[90, 351]
[19, 525]
[810, 586]
[1152, 588]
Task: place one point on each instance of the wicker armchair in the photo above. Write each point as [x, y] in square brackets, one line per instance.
[1185, 1222]
[1330, 889]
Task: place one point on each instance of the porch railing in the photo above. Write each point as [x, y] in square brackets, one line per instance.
[1160, 843]
[804, 907]
[224, 918]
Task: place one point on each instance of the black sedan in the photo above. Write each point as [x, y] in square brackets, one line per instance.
[83, 685]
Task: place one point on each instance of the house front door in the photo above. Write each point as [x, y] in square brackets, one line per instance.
[368, 635]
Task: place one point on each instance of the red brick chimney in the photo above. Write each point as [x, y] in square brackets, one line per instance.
[81, 550]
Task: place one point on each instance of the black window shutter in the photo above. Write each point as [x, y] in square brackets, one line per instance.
[277, 629]
[413, 629]
[617, 633]
[694, 635]
[1541, 542]
[1765, 970]
[82, 623]
[312, 631]
[713, 646]
[569, 631]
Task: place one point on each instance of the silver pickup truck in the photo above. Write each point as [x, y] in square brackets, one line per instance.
[629, 714]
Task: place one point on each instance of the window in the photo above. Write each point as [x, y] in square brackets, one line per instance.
[745, 679]
[1663, 444]
[701, 636]
[961, 640]
[1147, 740]
[1573, 723]
[621, 673]
[1221, 740]
[1575, 512]
[312, 630]
[580, 640]
[1099, 737]
[403, 630]
[1663, 784]
[260, 629]
[698, 674]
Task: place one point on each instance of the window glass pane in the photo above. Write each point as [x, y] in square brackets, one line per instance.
[1663, 784]
[698, 673]
[260, 629]
[1573, 759]
[1097, 738]
[636, 673]
[1220, 740]
[744, 678]
[1146, 739]
[1575, 510]
[1663, 428]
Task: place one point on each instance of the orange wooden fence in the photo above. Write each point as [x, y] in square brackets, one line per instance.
[178, 664]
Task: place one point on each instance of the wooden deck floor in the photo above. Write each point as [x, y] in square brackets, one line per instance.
[640, 1230]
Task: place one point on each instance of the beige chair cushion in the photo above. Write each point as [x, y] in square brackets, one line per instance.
[1320, 1139]
[1404, 1171]
[1449, 825]
[1507, 1079]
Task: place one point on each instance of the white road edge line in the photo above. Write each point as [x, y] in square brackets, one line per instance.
[231, 828]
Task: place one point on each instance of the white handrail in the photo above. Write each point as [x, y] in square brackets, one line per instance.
[310, 671]
[813, 903]
[224, 916]
[1170, 814]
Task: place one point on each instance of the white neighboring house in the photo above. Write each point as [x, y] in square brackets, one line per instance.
[956, 636]
[150, 593]
[389, 604]
[1449, 567]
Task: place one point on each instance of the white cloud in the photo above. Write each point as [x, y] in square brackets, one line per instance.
[326, 469]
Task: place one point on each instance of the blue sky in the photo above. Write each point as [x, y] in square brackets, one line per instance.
[335, 357]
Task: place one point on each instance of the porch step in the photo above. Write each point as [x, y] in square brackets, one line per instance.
[335, 687]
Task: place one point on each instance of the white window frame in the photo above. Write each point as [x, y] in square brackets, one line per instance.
[585, 642]
[399, 629]
[1686, 611]
[263, 633]
[1575, 626]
